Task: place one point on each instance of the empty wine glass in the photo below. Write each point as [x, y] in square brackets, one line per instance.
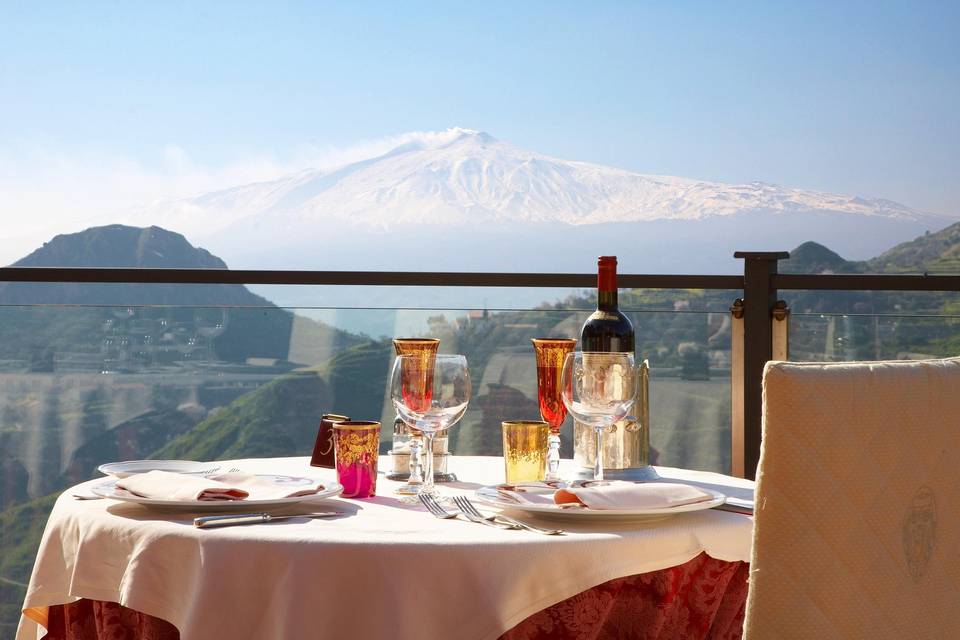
[599, 389]
[430, 399]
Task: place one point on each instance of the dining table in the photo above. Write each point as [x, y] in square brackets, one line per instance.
[382, 567]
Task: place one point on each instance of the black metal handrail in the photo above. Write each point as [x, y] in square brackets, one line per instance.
[811, 282]
[359, 278]
[866, 282]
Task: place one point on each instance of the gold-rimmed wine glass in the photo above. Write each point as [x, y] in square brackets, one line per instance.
[551, 354]
[424, 352]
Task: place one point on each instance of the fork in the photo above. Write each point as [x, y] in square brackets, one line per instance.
[85, 496]
[434, 507]
[468, 509]
[214, 470]
[204, 472]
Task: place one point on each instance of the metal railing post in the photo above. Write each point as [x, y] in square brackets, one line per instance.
[736, 388]
[781, 331]
[759, 302]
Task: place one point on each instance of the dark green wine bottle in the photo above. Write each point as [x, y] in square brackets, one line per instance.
[607, 328]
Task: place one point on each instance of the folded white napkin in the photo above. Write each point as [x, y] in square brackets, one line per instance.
[630, 495]
[615, 494]
[163, 485]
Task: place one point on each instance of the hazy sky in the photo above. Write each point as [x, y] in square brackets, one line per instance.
[104, 104]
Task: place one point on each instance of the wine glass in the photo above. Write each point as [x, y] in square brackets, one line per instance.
[551, 354]
[430, 399]
[599, 388]
[426, 350]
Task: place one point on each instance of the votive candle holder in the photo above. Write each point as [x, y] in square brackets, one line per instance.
[525, 450]
[357, 447]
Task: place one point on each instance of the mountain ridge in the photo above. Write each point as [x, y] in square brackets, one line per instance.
[469, 177]
[439, 201]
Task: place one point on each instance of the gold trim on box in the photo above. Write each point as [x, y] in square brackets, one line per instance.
[356, 425]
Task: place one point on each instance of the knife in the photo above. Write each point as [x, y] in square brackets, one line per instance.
[736, 505]
[207, 522]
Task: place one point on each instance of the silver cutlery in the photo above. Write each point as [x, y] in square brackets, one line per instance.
[213, 471]
[743, 509]
[434, 507]
[85, 496]
[469, 509]
[206, 522]
[203, 472]
[480, 519]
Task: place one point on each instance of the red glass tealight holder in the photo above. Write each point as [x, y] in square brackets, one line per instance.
[357, 447]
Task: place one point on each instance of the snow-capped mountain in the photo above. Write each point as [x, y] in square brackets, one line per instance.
[469, 177]
[443, 201]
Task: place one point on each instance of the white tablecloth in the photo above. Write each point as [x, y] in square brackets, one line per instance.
[386, 570]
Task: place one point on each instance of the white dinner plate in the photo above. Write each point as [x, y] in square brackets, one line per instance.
[108, 489]
[489, 496]
[130, 467]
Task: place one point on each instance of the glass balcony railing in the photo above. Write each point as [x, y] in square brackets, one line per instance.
[840, 337]
[83, 385]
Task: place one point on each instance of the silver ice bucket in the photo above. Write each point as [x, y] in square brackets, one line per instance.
[626, 444]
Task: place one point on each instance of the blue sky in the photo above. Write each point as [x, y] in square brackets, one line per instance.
[861, 98]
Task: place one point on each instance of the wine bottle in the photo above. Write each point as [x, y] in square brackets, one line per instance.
[607, 329]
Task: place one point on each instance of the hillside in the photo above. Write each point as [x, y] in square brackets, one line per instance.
[937, 252]
[931, 253]
[162, 318]
[812, 257]
[281, 417]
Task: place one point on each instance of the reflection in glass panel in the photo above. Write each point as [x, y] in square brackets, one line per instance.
[81, 386]
[847, 337]
[873, 325]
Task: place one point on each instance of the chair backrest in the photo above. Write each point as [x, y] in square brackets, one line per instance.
[857, 525]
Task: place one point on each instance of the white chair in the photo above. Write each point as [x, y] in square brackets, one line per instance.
[857, 526]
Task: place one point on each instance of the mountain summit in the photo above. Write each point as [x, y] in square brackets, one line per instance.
[117, 245]
[121, 246]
